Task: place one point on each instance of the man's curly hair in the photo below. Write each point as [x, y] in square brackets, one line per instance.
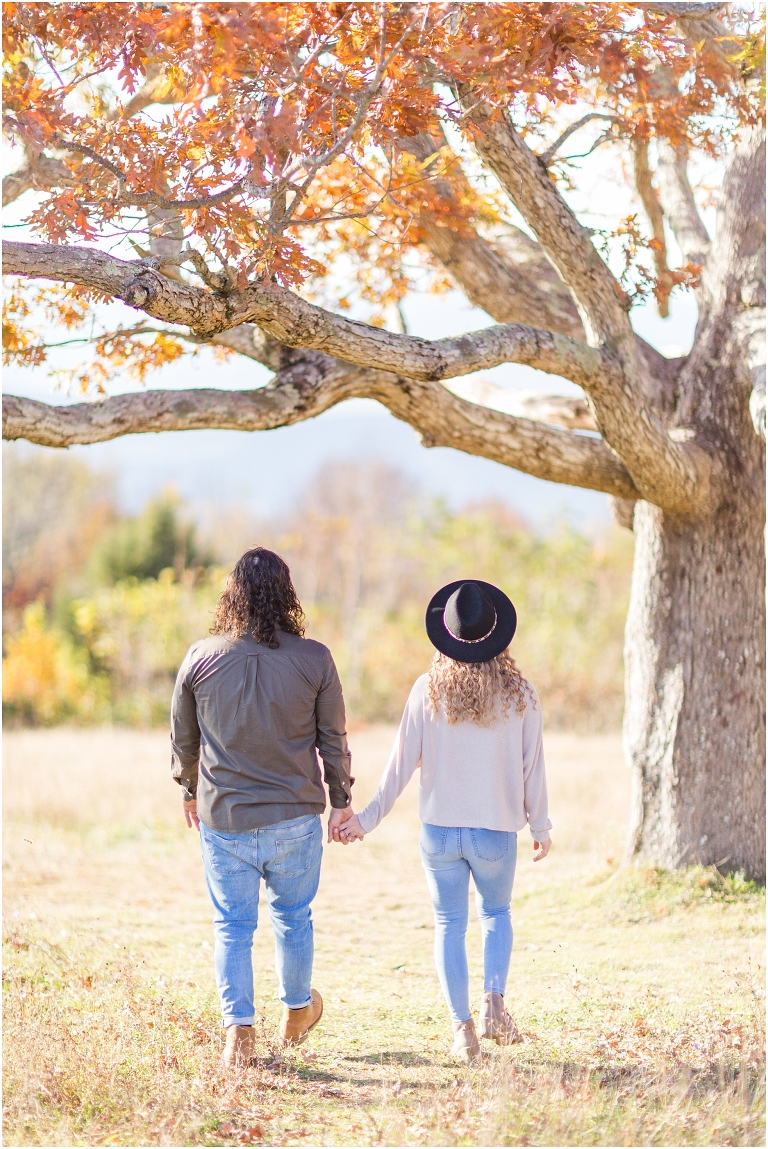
[259, 599]
[477, 692]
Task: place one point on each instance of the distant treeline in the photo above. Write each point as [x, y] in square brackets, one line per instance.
[100, 607]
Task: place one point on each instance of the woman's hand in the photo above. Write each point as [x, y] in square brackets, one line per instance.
[351, 831]
[543, 848]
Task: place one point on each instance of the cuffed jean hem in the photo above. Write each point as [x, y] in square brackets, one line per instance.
[227, 1021]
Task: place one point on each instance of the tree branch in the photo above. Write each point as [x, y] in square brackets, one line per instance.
[562, 410]
[313, 384]
[154, 199]
[507, 274]
[547, 156]
[16, 184]
[41, 173]
[673, 475]
[679, 205]
[294, 322]
[734, 275]
[652, 206]
[509, 277]
[698, 24]
[250, 340]
[566, 242]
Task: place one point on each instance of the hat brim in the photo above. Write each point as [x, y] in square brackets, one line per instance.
[499, 638]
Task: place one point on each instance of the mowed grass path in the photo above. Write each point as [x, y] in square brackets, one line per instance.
[639, 993]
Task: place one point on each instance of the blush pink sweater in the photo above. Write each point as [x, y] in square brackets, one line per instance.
[491, 777]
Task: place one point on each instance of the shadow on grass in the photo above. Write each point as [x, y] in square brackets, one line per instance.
[396, 1058]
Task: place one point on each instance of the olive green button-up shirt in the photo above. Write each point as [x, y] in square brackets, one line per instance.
[247, 724]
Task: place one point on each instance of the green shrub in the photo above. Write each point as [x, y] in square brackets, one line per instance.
[154, 541]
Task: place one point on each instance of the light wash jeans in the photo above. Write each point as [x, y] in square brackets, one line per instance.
[449, 855]
[287, 856]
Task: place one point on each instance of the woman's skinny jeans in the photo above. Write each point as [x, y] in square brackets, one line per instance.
[449, 855]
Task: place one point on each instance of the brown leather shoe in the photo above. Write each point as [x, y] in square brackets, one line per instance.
[465, 1047]
[296, 1024]
[497, 1022]
[238, 1050]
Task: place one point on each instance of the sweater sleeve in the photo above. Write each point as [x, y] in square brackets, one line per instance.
[534, 773]
[403, 760]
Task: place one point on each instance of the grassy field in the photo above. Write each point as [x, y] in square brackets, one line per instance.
[639, 993]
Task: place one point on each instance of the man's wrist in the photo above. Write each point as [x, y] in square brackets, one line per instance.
[340, 800]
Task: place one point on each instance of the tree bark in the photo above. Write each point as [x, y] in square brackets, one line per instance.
[695, 689]
[695, 639]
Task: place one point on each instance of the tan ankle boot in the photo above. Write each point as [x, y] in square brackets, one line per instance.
[297, 1023]
[497, 1022]
[465, 1047]
[238, 1049]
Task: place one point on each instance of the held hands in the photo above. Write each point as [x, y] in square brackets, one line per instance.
[543, 848]
[344, 826]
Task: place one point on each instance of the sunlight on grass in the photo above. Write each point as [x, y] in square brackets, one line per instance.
[639, 993]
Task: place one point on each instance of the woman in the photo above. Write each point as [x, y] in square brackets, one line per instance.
[473, 725]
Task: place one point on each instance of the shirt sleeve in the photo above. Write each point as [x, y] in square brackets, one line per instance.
[403, 761]
[534, 773]
[185, 733]
[331, 740]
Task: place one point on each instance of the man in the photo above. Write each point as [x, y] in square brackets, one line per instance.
[252, 706]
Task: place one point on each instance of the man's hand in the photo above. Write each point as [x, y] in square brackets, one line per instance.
[543, 848]
[336, 819]
[190, 814]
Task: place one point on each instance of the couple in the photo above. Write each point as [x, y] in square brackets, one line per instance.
[252, 707]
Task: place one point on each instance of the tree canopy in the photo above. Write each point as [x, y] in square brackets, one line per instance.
[257, 146]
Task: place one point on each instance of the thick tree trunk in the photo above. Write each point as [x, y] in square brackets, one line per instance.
[695, 685]
[695, 650]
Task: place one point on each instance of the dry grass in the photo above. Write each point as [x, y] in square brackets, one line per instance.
[639, 993]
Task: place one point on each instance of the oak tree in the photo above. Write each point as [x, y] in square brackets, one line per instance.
[218, 170]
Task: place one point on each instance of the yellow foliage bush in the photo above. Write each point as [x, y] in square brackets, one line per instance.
[137, 633]
[46, 678]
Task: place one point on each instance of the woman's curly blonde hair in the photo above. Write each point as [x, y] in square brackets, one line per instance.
[259, 599]
[476, 691]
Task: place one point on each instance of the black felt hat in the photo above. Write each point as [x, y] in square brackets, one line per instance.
[471, 621]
